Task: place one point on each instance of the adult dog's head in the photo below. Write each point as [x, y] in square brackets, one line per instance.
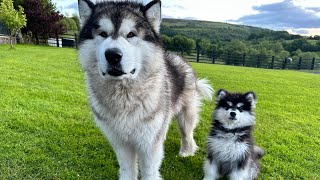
[120, 39]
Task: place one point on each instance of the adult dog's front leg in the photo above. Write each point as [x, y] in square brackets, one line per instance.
[150, 161]
[127, 158]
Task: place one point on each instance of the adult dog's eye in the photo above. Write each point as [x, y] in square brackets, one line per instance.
[130, 35]
[103, 34]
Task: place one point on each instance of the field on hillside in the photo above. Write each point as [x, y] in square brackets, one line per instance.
[47, 130]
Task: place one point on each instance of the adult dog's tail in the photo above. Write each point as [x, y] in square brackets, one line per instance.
[204, 88]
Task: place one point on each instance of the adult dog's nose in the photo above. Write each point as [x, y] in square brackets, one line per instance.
[233, 114]
[113, 56]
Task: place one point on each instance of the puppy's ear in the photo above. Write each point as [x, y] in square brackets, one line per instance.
[153, 13]
[252, 98]
[85, 9]
[221, 94]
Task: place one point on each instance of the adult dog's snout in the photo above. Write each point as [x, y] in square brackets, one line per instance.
[113, 56]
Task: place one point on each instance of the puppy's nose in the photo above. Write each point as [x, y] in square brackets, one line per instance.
[113, 56]
[233, 114]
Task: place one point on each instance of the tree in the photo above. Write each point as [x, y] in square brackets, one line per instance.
[167, 41]
[76, 19]
[42, 19]
[69, 24]
[296, 44]
[206, 45]
[183, 43]
[14, 20]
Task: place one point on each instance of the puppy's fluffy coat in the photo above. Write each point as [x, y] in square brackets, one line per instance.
[230, 148]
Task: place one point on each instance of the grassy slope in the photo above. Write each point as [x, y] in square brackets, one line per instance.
[47, 132]
[209, 30]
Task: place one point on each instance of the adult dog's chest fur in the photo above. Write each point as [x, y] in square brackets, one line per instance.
[131, 113]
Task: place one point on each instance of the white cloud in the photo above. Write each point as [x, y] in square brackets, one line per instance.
[212, 10]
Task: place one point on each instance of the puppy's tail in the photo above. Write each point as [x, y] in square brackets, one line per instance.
[258, 152]
[204, 88]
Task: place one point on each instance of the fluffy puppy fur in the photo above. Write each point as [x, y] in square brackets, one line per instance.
[230, 148]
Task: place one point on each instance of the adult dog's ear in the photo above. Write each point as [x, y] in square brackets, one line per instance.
[85, 9]
[153, 13]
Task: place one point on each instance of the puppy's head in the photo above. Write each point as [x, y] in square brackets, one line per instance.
[235, 110]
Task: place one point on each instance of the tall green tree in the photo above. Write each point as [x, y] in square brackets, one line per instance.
[69, 24]
[13, 19]
[183, 43]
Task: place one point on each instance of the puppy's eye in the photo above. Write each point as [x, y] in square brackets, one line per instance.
[240, 108]
[103, 34]
[130, 35]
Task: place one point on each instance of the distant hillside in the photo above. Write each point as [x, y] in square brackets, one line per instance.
[217, 31]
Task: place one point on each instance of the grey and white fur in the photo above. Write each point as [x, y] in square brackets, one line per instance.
[134, 86]
[230, 148]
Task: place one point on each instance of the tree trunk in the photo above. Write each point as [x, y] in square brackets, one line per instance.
[37, 39]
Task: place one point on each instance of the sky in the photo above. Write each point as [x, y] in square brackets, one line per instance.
[295, 16]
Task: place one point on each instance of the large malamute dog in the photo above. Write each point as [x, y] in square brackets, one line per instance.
[135, 88]
[231, 151]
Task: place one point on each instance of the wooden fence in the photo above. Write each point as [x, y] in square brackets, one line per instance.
[258, 61]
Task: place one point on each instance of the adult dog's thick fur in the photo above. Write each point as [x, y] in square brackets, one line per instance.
[135, 87]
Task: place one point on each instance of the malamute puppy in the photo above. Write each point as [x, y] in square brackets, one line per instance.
[230, 149]
[135, 87]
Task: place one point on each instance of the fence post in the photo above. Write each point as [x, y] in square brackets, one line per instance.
[272, 62]
[312, 63]
[57, 39]
[213, 57]
[284, 64]
[198, 54]
[299, 63]
[244, 59]
[76, 40]
[228, 58]
[258, 61]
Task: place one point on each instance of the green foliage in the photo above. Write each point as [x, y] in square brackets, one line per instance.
[47, 131]
[236, 47]
[239, 39]
[13, 19]
[69, 24]
[167, 41]
[179, 42]
[76, 19]
[217, 32]
[206, 45]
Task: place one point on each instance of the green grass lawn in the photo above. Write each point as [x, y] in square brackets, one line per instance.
[47, 132]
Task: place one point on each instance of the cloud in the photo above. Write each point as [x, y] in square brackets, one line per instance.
[283, 15]
[305, 31]
[173, 6]
[73, 6]
[190, 18]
